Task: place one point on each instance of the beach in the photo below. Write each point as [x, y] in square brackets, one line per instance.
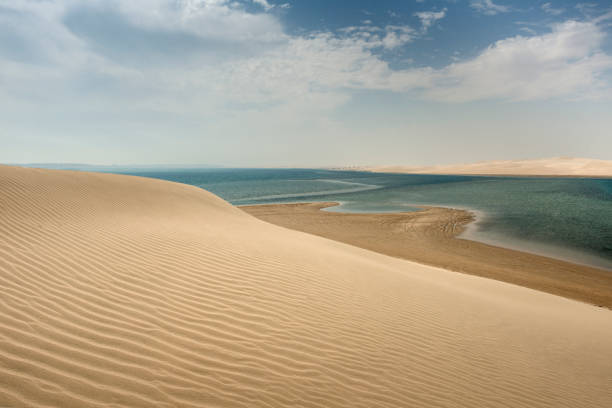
[431, 237]
[550, 167]
[123, 291]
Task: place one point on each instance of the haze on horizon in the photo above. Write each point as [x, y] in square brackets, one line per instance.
[304, 83]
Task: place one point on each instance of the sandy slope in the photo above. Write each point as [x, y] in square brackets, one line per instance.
[559, 166]
[120, 291]
[431, 237]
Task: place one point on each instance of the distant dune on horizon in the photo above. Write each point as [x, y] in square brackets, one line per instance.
[557, 166]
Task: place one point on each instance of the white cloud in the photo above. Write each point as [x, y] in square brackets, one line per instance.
[314, 66]
[528, 30]
[488, 7]
[370, 37]
[586, 8]
[59, 87]
[565, 63]
[317, 71]
[205, 18]
[548, 8]
[604, 17]
[396, 36]
[568, 62]
[429, 17]
[264, 3]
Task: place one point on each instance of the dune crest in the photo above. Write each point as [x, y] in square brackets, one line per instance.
[120, 291]
[558, 166]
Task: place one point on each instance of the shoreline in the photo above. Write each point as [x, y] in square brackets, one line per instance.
[469, 233]
[530, 247]
[543, 176]
[432, 236]
[564, 167]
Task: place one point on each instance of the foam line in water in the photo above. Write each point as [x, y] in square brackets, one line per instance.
[364, 187]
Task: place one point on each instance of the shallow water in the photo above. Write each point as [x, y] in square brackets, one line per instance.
[566, 218]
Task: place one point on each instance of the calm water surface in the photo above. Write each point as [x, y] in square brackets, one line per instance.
[565, 218]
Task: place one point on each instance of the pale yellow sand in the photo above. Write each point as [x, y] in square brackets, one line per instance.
[118, 291]
[431, 237]
[560, 166]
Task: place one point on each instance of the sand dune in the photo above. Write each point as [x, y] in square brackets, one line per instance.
[118, 291]
[431, 236]
[559, 166]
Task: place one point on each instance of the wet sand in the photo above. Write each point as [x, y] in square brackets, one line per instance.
[430, 237]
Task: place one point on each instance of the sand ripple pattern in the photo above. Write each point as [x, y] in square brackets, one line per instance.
[118, 291]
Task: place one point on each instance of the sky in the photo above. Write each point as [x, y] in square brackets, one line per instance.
[304, 83]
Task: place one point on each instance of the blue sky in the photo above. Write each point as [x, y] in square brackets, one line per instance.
[304, 83]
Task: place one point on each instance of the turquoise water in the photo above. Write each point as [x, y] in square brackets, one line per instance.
[565, 218]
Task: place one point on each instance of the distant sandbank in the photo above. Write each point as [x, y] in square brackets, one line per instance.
[551, 167]
[430, 237]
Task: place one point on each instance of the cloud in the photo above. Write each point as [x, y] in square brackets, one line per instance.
[429, 17]
[603, 17]
[567, 62]
[214, 59]
[317, 66]
[371, 37]
[528, 30]
[586, 8]
[203, 18]
[264, 3]
[201, 80]
[548, 8]
[488, 7]
[396, 36]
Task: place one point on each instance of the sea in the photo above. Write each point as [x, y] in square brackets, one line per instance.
[564, 218]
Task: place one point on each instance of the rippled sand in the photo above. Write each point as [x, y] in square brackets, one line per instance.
[431, 237]
[120, 291]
